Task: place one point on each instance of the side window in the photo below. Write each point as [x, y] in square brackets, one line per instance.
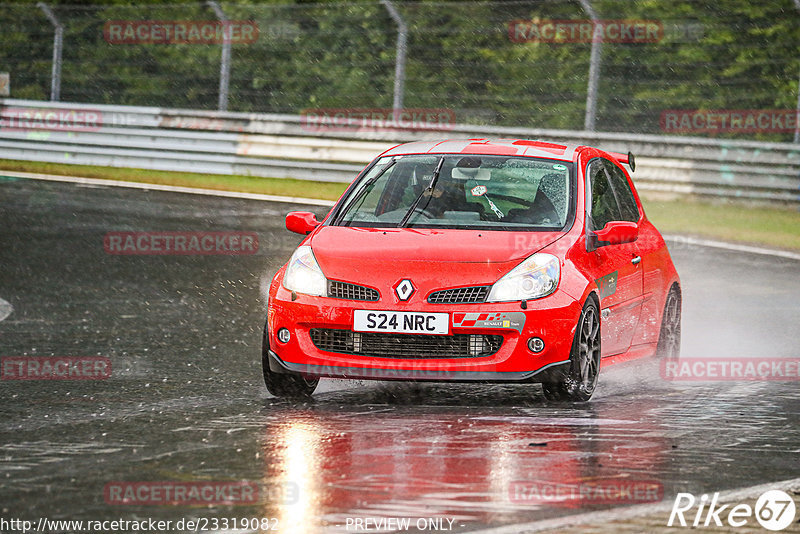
[603, 203]
[627, 202]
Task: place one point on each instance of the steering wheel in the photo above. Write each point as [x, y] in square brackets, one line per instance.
[425, 212]
[428, 214]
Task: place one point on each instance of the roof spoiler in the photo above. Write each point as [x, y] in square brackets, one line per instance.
[627, 159]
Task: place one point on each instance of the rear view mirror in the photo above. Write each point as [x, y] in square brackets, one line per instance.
[617, 232]
[459, 173]
[301, 222]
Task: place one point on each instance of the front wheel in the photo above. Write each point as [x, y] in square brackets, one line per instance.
[579, 383]
[285, 385]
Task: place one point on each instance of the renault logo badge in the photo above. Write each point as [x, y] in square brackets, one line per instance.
[404, 289]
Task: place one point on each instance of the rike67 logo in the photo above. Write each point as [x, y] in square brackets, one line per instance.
[774, 510]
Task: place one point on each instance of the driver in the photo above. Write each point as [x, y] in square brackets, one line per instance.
[443, 197]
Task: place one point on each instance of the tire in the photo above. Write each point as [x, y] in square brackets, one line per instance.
[669, 337]
[284, 385]
[579, 383]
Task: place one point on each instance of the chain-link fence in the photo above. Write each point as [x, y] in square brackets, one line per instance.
[512, 63]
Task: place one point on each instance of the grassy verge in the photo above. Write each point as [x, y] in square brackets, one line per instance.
[763, 226]
[774, 227]
[247, 184]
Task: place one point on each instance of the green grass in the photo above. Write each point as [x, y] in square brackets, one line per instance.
[247, 184]
[775, 227]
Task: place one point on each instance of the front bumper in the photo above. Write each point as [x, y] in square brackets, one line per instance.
[552, 319]
[276, 365]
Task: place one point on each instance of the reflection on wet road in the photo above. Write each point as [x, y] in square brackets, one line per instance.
[185, 401]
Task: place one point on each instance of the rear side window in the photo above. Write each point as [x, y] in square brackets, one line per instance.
[628, 210]
[603, 204]
[609, 195]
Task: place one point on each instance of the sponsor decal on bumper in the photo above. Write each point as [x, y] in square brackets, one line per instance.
[511, 320]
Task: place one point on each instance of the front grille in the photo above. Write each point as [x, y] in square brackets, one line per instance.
[343, 290]
[405, 346]
[459, 295]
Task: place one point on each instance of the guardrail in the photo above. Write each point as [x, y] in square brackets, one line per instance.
[281, 146]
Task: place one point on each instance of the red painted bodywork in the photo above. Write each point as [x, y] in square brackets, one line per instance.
[436, 259]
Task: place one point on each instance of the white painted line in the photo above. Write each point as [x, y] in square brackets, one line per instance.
[687, 240]
[170, 188]
[327, 203]
[630, 512]
[5, 309]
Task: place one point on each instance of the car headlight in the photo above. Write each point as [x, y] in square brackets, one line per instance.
[534, 278]
[303, 274]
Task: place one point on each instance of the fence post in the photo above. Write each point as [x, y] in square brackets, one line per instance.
[58, 42]
[594, 69]
[400, 58]
[225, 62]
[797, 109]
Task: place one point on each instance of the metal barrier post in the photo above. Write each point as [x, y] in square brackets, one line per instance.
[797, 115]
[58, 42]
[400, 59]
[594, 71]
[225, 62]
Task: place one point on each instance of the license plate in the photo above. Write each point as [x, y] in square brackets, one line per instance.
[401, 322]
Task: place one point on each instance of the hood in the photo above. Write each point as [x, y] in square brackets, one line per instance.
[431, 245]
[379, 257]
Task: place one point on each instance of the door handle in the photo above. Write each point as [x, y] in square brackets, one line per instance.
[636, 260]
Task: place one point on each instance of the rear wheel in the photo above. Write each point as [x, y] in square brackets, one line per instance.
[669, 338]
[579, 383]
[286, 385]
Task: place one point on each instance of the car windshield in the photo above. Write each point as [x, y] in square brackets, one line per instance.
[468, 191]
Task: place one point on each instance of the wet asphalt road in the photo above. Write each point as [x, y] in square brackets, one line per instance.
[186, 401]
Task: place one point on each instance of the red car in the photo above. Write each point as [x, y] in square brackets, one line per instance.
[475, 260]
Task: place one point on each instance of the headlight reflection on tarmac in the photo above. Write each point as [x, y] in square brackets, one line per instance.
[299, 468]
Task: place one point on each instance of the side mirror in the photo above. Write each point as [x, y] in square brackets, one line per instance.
[301, 222]
[617, 232]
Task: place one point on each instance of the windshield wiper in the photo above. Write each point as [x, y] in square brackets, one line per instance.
[363, 190]
[430, 187]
